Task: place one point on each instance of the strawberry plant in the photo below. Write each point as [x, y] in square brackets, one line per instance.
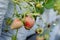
[35, 8]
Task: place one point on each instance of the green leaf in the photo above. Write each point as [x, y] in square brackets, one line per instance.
[17, 15]
[49, 4]
[8, 21]
[40, 10]
[57, 6]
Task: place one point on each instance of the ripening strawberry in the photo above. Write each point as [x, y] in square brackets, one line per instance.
[29, 22]
[17, 23]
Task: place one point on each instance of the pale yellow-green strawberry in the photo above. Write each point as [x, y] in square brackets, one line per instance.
[38, 5]
[39, 38]
[17, 23]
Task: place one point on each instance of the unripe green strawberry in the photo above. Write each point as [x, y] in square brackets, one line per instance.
[17, 23]
[39, 5]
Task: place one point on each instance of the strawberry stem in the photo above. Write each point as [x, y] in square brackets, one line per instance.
[16, 32]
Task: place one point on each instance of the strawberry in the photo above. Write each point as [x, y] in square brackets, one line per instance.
[39, 38]
[39, 5]
[17, 23]
[29, 22]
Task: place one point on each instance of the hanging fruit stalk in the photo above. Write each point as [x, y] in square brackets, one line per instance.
[14, 37]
